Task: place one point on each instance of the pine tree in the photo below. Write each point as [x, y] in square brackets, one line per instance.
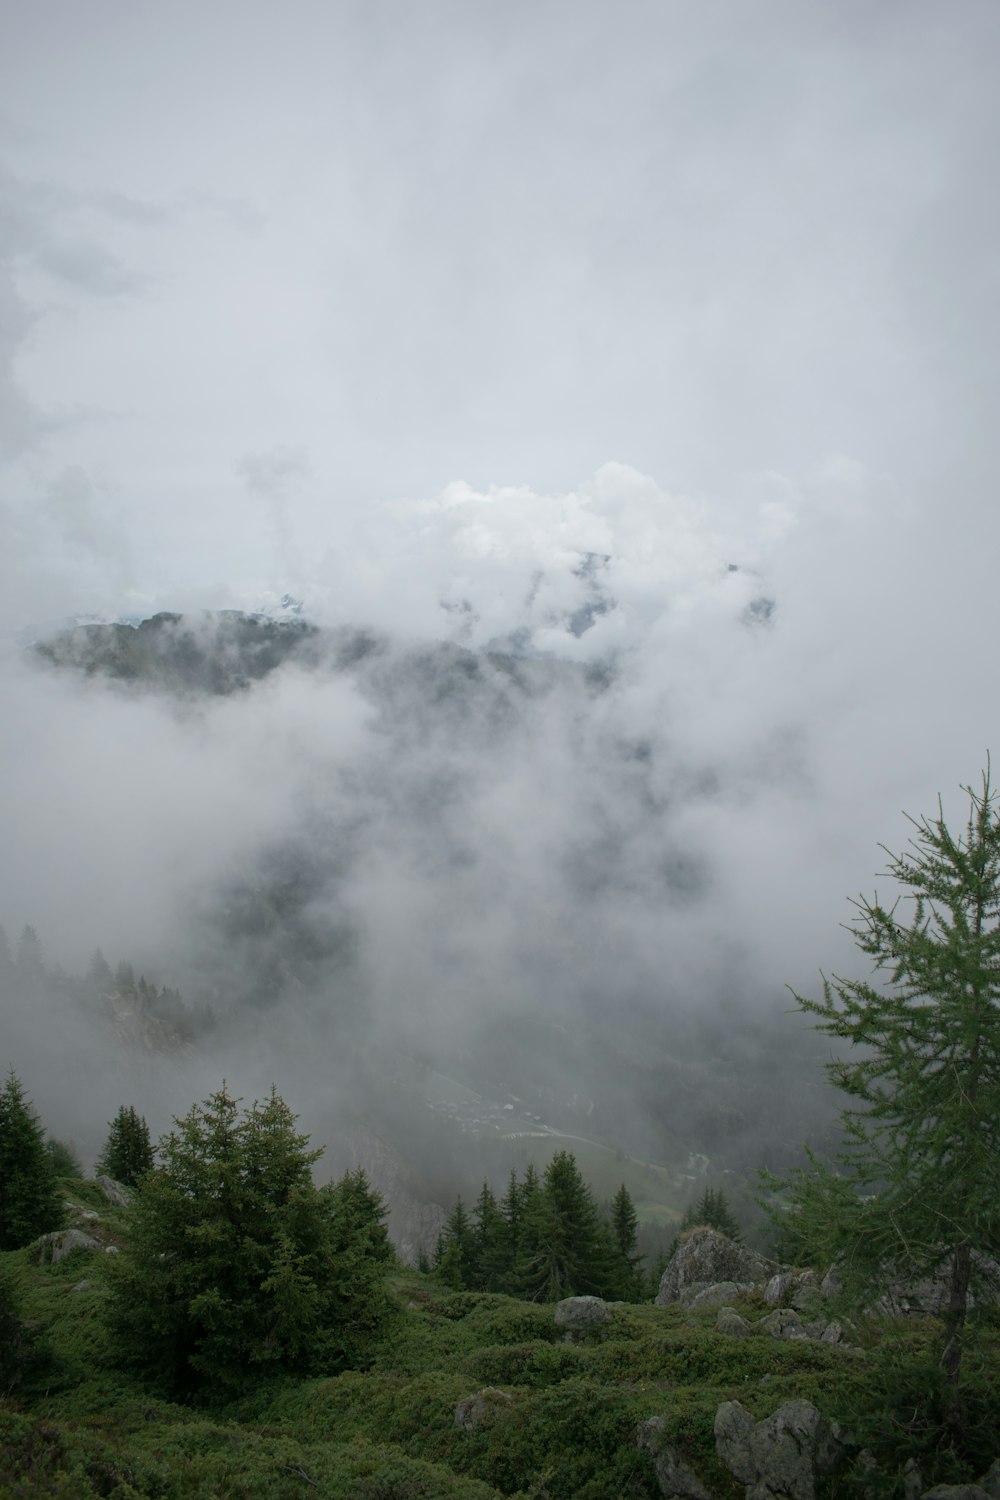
[713, 1211]
[30, 1202]
[237, 1263]
[521, 1210]
[456, 1259]
[63, 1158]
[569, 1251]
[492, 1250]
[365, 1209]
[654, 1275]
[915, 1187]
[127, 1152]
[624, 1232]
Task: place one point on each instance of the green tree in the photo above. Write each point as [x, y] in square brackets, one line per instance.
[654, 1274]
[914, 1188]
[712, 1210]
[624, 1233]
[30, 1201]
[128, 1152]
[568, 1250]
[237, 1263]
[492, 1248]
[63, 1158]
[455, 1259]
[520, 1207]
[365, 1209]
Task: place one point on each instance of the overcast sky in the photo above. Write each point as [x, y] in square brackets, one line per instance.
[403, 304]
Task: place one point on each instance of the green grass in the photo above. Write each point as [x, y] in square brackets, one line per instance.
[79, 1427]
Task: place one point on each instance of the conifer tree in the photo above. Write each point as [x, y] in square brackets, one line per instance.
[30, 1202]
[522, 1209]
[455, 1262]
[365, 1209]
[571, 1252]
[654, 1275]
[712, 1210]
[237, 1263]
[127, 1153]
[491, 1263]
[63, 1158]
[915, 1187]
[624, 1233]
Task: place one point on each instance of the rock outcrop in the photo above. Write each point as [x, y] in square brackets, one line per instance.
[115, 1192]
[928, 1295]
[730, 1322]
[705, 1258]
[717, 1295]
[675, 1480]
[582, 1318]
[54, 1247]
[781, 1457]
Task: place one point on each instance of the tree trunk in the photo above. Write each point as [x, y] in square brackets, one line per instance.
[954, 1332]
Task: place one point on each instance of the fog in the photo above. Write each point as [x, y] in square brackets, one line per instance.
[650, 348]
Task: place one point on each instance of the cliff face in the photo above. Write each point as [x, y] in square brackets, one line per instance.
[135, 1026]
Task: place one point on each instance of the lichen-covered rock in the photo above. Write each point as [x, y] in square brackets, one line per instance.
[730, 1322]
[676, 1481]
[54, 1247]
[115, 1192]
[779, 1288]
[782, 1456]
[831, 1285]
[482, 1408]
[805, 1292]
[734, 1427]
[783, 1323]
[928, 1294]
[582, 1317]
[719, 1293]
[706, 1257]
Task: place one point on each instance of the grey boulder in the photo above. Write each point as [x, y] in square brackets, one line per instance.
[54, 1247]
[704, 1258]
[582, 1317]
[675, 1480]
[782, 1456]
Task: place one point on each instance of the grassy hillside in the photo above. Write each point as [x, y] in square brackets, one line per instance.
[76, 1426]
